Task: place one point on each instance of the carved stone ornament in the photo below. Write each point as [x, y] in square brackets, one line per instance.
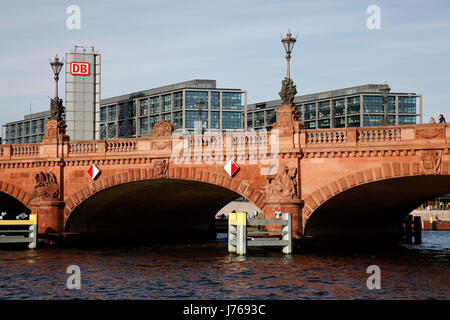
[46, 187]
[288, 118]
[429, 133]
[160, 168]
[163, 128]
[288, 91]
[430, 161]
[284, 185]
[56, 109]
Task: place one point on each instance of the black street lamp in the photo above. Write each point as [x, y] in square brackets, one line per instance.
[288, 43]
[384, 92]
[56, 107]
[56, 67]
[200, 103]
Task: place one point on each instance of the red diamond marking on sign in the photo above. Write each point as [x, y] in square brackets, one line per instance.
[231, 168]
[93, 171]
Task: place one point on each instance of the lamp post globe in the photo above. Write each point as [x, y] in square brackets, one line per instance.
[288, 43]
[56, 67]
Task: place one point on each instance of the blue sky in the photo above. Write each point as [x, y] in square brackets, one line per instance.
[146, 44]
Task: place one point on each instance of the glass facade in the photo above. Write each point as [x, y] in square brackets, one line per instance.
[407, 104]
[192, 97]
[231, 120]
[231, 101]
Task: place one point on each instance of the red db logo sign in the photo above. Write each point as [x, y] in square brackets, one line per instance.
[79, 68]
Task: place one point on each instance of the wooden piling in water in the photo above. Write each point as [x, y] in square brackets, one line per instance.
[417, 230]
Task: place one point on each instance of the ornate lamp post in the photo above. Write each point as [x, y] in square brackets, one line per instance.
[56, 107]
[56, 67]
[288, 43]
[385, 91]
[200, 103]
[288, 89]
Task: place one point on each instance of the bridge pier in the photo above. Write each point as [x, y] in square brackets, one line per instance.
[292, 206]
[50, 215]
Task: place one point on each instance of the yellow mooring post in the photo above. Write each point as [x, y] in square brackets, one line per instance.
[241, 233]
[232, 232]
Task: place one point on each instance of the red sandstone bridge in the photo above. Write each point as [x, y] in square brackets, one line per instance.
[334, 181]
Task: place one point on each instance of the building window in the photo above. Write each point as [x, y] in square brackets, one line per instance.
[373, 104]
[26, 140]
[215, 120]
[215, 100]
[127, 110]
[249, 120]
[166, 105]
[391, 104]
[232, 120]
[353, 105]
[271, 116]
[259, 119]
[34, 127]
[406, 104]
[153, 120]
[26, 128]
[102, 131]
[178, 119]
[406, 120]
[371, 120]
[310, 111]
[166, 117]
[19, 129]
[339, 122]
[231, 101]
[324, 109]
[143, 125]
[112, 113]
[143, 107]
[178, 100]
[339, 107]
[353, 121]
[192, 97]
[103, 114]
[154, 105]
[325, 123]
[41, 126]
[310, 125]
[111, 130]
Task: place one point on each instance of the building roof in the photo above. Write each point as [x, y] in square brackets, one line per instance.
[191, 84]
[367, 88]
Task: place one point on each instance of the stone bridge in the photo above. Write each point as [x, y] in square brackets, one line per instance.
[335, 182]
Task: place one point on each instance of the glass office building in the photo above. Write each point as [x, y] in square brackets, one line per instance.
[183, 104]
[360, 106]
[29, 130]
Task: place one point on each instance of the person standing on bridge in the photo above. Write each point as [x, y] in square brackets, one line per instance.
[432, 120]
[441, 118]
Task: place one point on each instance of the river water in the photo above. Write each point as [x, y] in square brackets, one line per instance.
[207, 271]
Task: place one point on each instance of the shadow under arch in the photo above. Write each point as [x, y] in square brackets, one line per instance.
[374, 208]
[13, 200]
[182, 204]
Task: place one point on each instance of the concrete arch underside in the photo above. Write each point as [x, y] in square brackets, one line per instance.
[371, 208]
[153, 205]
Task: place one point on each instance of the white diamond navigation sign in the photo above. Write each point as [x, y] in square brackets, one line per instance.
[231, 168]
[93, 171]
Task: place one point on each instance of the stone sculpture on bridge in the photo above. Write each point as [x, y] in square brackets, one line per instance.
[46, 186]
[284, 185]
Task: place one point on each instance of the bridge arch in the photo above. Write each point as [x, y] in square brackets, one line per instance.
[222, 187]
[372, 200]
[17, 193]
